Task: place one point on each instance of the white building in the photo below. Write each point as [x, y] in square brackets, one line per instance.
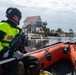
[33, 24]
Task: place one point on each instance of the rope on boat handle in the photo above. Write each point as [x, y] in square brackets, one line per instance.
[27, 54]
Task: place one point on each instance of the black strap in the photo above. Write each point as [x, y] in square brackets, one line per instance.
[6, 41]
[2, 34]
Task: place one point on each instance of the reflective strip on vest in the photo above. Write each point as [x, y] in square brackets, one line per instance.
[6, 43]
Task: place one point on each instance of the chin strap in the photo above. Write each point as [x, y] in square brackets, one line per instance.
[12, 23]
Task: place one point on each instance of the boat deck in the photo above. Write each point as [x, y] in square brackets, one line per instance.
[62, 67]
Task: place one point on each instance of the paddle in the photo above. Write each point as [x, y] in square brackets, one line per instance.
[29, 53]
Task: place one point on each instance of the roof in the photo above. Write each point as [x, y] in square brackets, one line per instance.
[31, 19]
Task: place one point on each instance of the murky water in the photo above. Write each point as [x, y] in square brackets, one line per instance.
[62, 67]
[39, 43]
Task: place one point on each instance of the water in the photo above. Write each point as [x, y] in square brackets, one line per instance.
[64, 66]
[39, 43]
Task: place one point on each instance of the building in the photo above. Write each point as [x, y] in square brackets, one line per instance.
[33, 24]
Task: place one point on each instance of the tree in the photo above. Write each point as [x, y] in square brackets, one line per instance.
[71, 33]
[59, 30]
[46, 30]
[45, 24]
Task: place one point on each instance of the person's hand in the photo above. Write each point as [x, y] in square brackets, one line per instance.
[6, 54]
[18, 55]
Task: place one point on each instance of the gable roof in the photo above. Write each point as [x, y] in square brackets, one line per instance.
[31, 19]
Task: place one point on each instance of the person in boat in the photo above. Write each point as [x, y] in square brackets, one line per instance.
[8, 30]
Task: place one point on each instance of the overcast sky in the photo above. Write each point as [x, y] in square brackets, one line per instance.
[57, 13]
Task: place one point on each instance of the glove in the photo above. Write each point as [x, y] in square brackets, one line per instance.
[5, 55]
[18, 55]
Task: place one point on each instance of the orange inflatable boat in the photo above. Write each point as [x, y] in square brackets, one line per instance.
[51, 54]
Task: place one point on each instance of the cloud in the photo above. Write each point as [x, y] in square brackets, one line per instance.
[53, 5]
[57, 13]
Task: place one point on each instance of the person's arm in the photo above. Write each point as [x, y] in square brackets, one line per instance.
[2, 49]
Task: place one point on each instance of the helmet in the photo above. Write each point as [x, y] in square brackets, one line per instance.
[10, 12]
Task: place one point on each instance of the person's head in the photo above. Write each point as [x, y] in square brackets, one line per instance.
[14, 14]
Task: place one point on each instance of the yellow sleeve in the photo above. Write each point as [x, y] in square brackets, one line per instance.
[3, 27]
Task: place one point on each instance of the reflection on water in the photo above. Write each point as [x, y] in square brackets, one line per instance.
[38, 43]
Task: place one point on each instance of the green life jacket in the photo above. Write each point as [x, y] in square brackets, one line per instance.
[10, 31]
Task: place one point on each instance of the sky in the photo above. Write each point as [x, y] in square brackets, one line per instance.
[57, 13]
